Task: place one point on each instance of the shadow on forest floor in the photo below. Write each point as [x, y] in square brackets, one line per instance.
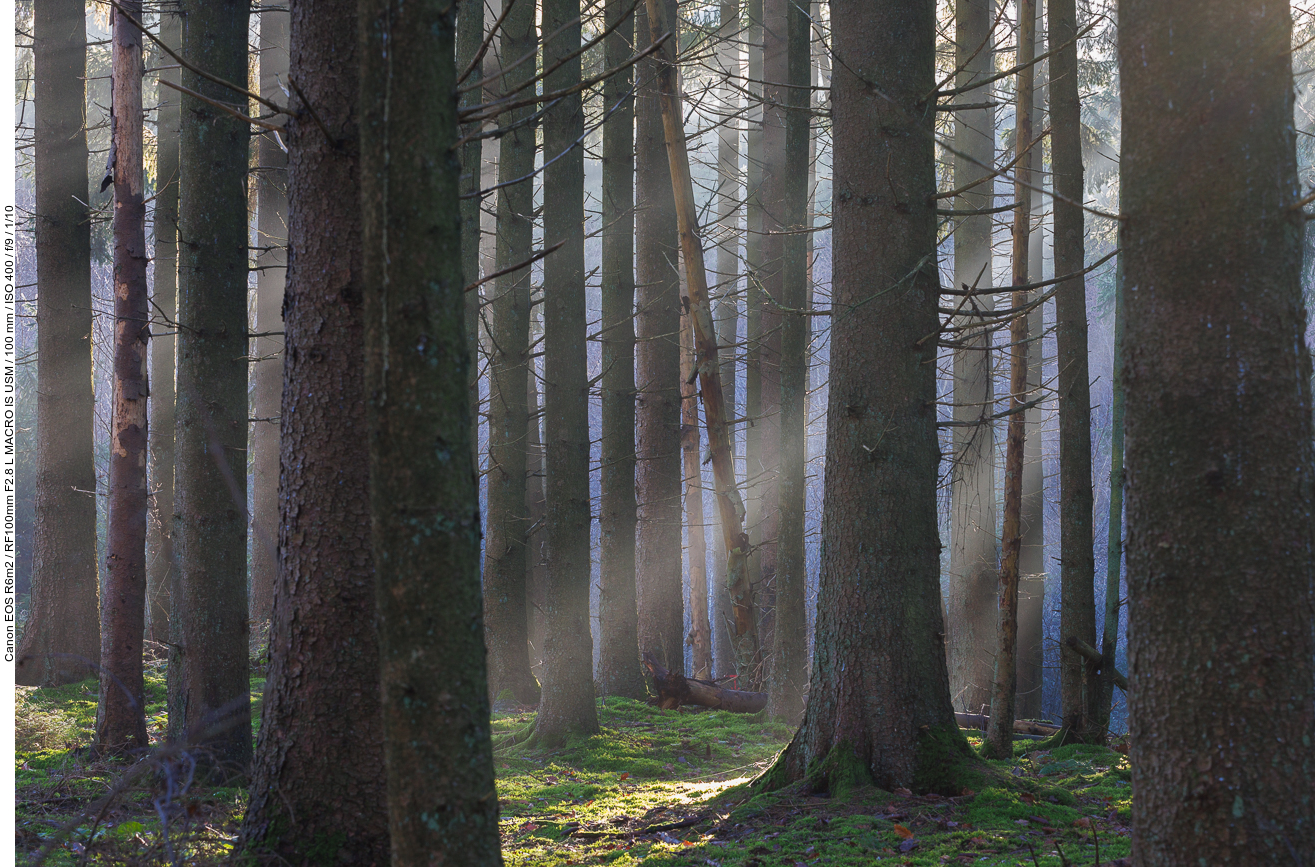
[661, 788]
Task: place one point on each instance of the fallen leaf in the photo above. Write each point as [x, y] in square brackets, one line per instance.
[624, 776]
[903, 832]
[1027, 798]
[1084, 822]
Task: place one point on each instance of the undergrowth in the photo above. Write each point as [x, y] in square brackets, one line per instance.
[661, 788]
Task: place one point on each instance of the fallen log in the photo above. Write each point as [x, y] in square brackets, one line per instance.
[1021, 726]
[1095, 655]
[674, 690]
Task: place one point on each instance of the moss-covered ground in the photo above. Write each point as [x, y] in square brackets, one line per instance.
[653, 787]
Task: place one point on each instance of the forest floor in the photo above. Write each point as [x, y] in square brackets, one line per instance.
[661, 788]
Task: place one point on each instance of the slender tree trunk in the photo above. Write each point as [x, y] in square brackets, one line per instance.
[63, 629]
[790, 640]
[508, 323]
[536, 511]
[1221, 632]
[999, 741]
[160, 571]
[568, 687]
[1114, 544]
[700, 638]
[267, 371]
[212, 701]
[1079, 684]
[306, 802]
[121, 710]
[974, 575]
[727, 309]
[1032, 550]
[619, 671]
[424, 502]
[470, 36]
[875, 713]
[657, 377]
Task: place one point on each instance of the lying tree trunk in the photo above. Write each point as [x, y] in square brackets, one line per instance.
[1094, 655]
[674, 690]
[1021, 726]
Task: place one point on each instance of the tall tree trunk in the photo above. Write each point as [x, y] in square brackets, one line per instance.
[753, 304]
[62, 637]
[875, 714]
[470, 36]
[212, 699]
[568, 705]
[160, 570]
[1114, 538]
[121, 710]
[657, 377]
[999, 740]
[306, 802]
[1079, 683]
[1221, 638]
[424, 502]
[700, 639]
[267, 371]
[1032, 550]
[790, 640]
[727, 310]
[974, 576]
[619, 671]
[508, 322]
[536, 511]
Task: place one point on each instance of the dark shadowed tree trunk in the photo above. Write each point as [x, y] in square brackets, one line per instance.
[210, 604]
[567, 706]
[999, 740]
[879, 703]
[508, 323]
[753, 265]
[470, 36]
[790, 640]
[970, 605]
[1221, 633]
[1080, 686]
[322, 695]
[121, 710]
[160, 573]
[63, 629]
[424, 502]
[267, 370]
[657, 378]
[619, 670]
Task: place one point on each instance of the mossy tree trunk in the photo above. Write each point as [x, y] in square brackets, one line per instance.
[424, 503]
[619, 671]
[121, 709]
[63, 628]
[267, 370]
[879, 704]
[508, 323]
[658, 470]
[160, 570]
[322, 695]
[1221, 633]
[212, 699]
[974, 576]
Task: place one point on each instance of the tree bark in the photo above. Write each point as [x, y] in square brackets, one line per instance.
[267, 369]
[790, 639]
[700, 638]
[879, 704]
[424, 503]
[618, 659]
[1221, 634]
[62, 635]
[160, 568]
[470, 36]
[321, 698]
[1114, 539]
[974, 543]
[730, 506]
[567, 706]
[121, 710]
[212, 699]
[674, 690]
[658, 470]
[1080, 687]
[508, 323]
[999, 740]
